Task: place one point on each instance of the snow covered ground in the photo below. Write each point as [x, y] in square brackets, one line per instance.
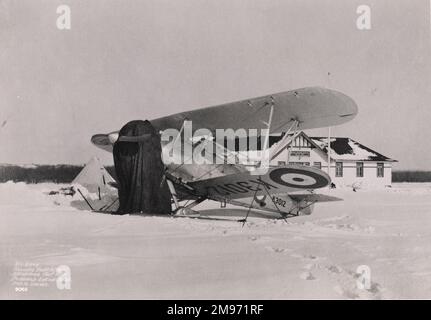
[317, 256]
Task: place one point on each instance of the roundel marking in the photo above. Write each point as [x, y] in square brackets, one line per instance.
[297, 178]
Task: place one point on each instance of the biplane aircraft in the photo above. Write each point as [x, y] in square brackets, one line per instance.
[280, 191]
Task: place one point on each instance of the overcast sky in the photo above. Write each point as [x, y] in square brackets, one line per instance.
[125, 60]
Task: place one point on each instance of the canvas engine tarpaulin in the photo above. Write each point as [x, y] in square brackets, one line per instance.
[139, 169]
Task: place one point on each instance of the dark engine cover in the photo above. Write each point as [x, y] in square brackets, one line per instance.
[139, 169]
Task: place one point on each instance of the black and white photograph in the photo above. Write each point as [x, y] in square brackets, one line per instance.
[215, 150]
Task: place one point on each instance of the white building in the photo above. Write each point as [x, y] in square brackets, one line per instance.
[351, 163]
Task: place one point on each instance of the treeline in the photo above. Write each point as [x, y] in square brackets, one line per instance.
[411, 176]
[42, 173]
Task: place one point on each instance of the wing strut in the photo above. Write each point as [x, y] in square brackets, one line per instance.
[173, 145]
[271, 113]
[268, 155]
[249, 208]
[264, 160]
[287, 138]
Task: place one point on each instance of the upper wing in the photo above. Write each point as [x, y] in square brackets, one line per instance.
[279, 180]
[313, 107]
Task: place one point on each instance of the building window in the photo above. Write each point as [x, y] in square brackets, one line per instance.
[359, 169]
[281, 163]
[380, 170]
[317, 165]
[338, 169]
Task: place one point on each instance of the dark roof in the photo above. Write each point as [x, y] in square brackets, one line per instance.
[341, 148]
[349, 149]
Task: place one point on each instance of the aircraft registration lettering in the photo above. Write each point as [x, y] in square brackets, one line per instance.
[279, 201]
[216, 190]
[236, 188]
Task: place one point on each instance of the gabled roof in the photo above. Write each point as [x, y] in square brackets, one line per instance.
[275, 139]
[342, 148]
